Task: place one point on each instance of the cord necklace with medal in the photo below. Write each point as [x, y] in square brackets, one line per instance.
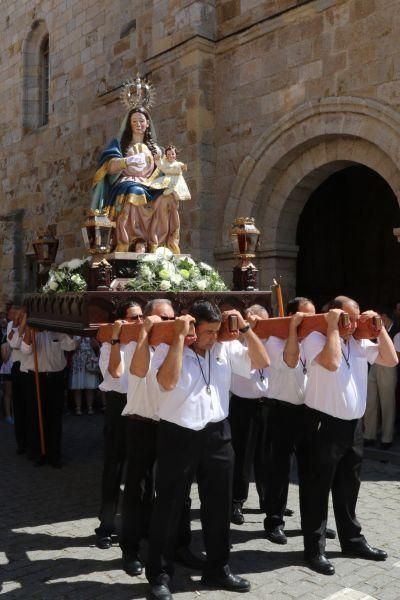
[304, 365]
[208, 388]
[261, 373]
[347, 358]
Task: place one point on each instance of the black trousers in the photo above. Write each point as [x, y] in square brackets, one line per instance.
[182, 455]
[139, 491]
[333, 451]
[20, 406]
[52, 397]
[113, 462]
[285, 433]
[248, 420]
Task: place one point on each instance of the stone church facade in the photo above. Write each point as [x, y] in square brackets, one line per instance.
[265, 98]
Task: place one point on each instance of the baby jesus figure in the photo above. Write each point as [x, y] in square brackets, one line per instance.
[172, 170]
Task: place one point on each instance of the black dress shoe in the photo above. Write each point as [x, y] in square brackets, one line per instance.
[160, 592]
[288, 512]
[330, 534]
[369, 443]
[39, 462]
[237, 514]
[185, 557]
[230, 582]
[276, 535]
[385, 445]
[131, 564]
[362, 549]
[103, 542]
[320, 564]
[56, 464]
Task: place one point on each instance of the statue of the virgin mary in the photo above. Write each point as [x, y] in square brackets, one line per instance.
[127, 185]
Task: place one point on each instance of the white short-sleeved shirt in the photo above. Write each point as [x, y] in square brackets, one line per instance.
[341, 393]
[188, 404]
[142, 398]
[50, 346]
[255, 387]
[285, 383]
[115, 384]
[15, 343]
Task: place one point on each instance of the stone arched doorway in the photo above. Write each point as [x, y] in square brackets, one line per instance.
[345, 240]
[293, 158]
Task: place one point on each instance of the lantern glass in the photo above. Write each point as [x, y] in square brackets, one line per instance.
[45, 247]
[97, 234]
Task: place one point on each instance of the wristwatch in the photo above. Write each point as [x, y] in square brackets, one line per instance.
[244, 329]
[113, 341]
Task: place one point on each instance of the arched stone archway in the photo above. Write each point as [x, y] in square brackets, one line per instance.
[293, 158]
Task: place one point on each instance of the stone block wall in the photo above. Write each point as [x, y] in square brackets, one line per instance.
[225, 72]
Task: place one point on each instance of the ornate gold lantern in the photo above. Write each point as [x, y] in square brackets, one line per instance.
[45, 245]
[96, 232]
[245, 238]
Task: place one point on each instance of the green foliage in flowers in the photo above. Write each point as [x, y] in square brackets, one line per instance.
[67, 277]
[163, 271]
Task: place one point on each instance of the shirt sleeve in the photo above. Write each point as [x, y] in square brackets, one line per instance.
[313, 344]
[396, 342]
[371, 350]
[67, 343]
[15, 341]
[26, 348]
[104, 358]
[275, 348]
[159, 356]
[239, 358]
[128, 352]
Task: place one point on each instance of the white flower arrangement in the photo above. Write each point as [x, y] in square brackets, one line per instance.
[67, 277]
[165, 272]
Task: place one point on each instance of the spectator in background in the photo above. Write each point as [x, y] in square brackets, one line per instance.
[5, 378]
[51, 347]
[84, 373]
[381, 395]
[19, 374]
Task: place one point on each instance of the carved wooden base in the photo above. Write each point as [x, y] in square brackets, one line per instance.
[82, 313]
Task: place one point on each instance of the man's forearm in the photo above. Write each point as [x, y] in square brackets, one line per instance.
[115, 367]
[141, 357]
[331, 355]
[387, 356]
[291, 352]
[170, 371]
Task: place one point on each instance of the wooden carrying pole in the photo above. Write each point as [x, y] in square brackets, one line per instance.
[279, 327]
[38, 396]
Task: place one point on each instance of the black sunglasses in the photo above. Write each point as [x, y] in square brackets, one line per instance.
[164, 318]
[134, 318]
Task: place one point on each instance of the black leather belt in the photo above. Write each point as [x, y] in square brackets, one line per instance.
[140, 418]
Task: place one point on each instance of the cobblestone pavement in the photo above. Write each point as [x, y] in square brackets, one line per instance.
[47, 546]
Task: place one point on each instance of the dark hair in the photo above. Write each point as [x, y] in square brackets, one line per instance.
[340, 301]
[293, 305]
[171, 147]
[126, 137]
[203, 310]
[123, 306]
[149, 307]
